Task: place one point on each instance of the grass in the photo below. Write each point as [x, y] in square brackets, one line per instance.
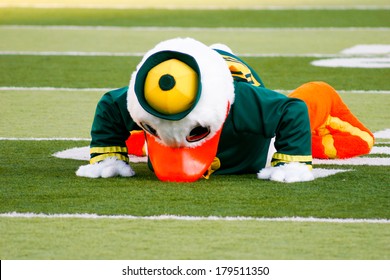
[207, 240]
[349, 194]
[138, 40]
[65, 71]
[114, 72]
[197, 18]
[32, 180]
[35, 109]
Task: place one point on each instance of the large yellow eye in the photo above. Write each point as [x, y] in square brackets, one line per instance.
[171, 87]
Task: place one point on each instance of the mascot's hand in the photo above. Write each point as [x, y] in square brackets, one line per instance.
[288, 173]
[110, 167]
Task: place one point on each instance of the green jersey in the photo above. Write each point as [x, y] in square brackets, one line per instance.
[256, 116]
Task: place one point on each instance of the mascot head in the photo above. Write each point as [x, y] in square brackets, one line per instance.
[180, 94]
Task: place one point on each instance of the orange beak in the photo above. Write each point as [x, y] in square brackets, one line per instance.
[184, 164]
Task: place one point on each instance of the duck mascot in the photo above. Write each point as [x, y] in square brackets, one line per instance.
[202, 110]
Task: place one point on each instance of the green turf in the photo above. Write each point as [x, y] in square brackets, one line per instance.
[52, 187]
[73, 118]
[206, 3]
[257, 41]
[371, 109]
[114, 72]
[69, 72]
[197, 18]
[75, 109]
[349, 195]
[32, 180]
[172, 240]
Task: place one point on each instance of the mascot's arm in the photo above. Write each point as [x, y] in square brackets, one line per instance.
[336, 132]
[262, 111]
[110, 130]
[293, 161]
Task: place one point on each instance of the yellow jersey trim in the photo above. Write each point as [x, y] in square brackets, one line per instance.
[108, 155]
[279, 158]
[240, 70]
[290, 158]
[112, 149]
[215, 165]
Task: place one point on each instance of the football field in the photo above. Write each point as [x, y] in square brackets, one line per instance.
[57, 58]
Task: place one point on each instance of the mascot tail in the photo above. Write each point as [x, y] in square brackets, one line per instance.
[336, 132]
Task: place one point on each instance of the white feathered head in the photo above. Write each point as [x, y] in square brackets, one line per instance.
[180, 94]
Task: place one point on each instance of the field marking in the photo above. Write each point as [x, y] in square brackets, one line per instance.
[363, 56]
[371, 161]
[196, 218]
[43, 139]
[357, 91]
[139, 54]
[380, 150]
[56, 89]
[136, 54]
[177, 28]
[132, 6]
[367, 49]
[55, 53]
[82, 153]
[383, 133]
[356, 62]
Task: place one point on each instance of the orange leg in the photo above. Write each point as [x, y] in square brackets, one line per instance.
[336, 132]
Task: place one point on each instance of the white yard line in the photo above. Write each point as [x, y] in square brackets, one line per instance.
[340, 91]
[55, 53]
[380, 150]
[11, 88]
[118, 6]
[125, 54]
[54, 89]
[371, 161]
[134, 54]
[176, 28]
[195, 218]
[383, 134]
[44, 139]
